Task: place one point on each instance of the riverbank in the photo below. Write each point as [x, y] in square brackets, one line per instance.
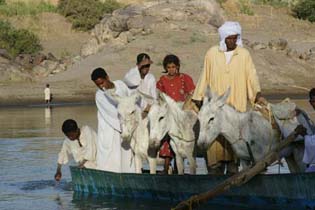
[88, 99]
[284, 58]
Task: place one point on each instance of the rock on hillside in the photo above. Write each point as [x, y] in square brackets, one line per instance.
[124, 24]
[162, 28]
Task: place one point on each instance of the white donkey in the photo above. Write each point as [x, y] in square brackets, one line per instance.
[135, 132]
[168, 117]
[239, 129]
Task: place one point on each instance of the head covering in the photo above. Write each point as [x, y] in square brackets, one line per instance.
[227, 29]
[143, 59]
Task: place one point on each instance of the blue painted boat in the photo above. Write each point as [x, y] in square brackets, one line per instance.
[272, 191]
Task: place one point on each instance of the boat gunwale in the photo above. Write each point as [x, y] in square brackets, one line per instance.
[186, 175]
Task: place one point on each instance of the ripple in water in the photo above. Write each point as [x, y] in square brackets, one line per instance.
[43, 184]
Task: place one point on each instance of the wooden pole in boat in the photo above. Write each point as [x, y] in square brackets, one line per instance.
[241, 177]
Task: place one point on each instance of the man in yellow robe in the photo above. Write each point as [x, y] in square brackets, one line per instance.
[228, 65]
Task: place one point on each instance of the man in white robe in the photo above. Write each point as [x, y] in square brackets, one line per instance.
[111, 154]
[139, 78]
[81, 143]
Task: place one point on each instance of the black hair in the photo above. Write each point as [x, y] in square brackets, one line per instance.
[171, 59]
[98, 73]
[47, 85]
[142, 56]
[69, 126]
[312, 93]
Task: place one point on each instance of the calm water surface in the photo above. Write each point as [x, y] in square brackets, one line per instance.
[30, 139]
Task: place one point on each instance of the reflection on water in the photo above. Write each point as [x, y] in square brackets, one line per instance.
[44, 121]
[42, 184]
[48, 116]
[30, 139]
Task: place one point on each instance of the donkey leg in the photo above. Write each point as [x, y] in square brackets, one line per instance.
[138, 163]
[192, 164]
[180, 164]
[152, 164]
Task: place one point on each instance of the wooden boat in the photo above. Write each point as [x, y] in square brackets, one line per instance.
[272, 191]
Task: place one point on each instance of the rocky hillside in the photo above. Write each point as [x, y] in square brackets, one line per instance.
[282, 47]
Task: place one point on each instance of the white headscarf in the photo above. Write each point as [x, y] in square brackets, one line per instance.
[227, 29]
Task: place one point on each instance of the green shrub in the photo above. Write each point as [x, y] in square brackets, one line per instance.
[197, 37]
[22, 8]
[85, 14]
[245, 7]
[2, 2]
[18, 41]
[274, 3]
[305, 9]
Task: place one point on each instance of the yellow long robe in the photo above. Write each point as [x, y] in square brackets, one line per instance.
[240, 75]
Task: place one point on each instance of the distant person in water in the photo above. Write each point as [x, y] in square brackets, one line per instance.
[81, 143]
[47, 94]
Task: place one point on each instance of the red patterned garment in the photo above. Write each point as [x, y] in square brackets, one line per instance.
[165, 149]
[177, 88]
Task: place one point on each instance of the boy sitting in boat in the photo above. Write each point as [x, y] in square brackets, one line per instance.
[81, 143]
[309, 141]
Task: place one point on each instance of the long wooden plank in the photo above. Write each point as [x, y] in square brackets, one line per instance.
[239, 178]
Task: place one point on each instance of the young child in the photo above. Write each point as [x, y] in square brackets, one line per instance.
[178, 86]
[47, 94]
[81, 143]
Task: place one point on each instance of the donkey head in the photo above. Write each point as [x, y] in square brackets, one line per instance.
[129, 114]
[210, 117]
[158, 123]
[182, 121]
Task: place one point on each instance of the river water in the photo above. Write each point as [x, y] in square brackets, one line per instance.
[30, 139]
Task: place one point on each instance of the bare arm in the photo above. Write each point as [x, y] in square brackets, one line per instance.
[260, 99]
[58, 172]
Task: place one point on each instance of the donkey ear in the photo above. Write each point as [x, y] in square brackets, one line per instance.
[174, 107]
[160, 98]
[170, 102]
[112, 97]
[223, 98]
[136, 98]
[208, 95]
[144, 95]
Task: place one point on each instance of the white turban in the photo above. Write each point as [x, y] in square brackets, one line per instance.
[227, 29]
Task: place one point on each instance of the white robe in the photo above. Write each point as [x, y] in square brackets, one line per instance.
[309, 151]
[86, 152]
[146, 85]
[111, 156]
[47, 93]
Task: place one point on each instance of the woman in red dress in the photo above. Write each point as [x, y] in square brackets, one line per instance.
[178, 86]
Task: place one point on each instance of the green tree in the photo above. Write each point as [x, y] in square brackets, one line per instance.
[305, 9]
[18, 41]
[85, 14]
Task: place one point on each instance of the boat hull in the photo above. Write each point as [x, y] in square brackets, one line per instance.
[281, 191]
